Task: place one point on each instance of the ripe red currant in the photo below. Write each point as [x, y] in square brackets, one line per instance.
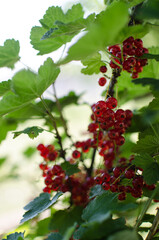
[103, 69]
[102, 81]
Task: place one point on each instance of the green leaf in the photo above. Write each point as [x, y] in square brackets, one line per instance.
[2, 161]
[48, 22]
[9, 53]
[39, 205]
[149, 144]
[30, 85]
[68, 234]
[148, 10]
[154, 83]
[15, 236]
[63, 219]
[101, 33]
[151, 173]
[125, 234]
[149, 166]
[29, 152]
[96, 191]
[127, 89]
[70, 169]
[56, 13]
[93, 64]
[11, 102]
[96, 230]
[97, 209]
[143, 160]
[148, 193]
[71, 28]
[5, 86]
[151, 130]
[32, 132]
[137, 31]
[151, 56]
[154, 104]
[54, 236]
[6, 125]
[43, 227]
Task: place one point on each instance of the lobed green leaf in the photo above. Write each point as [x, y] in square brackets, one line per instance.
[93, 64]
[70, 169]
[97, 210]
[32, 132]
[15, 236]
[101, 33]
[9, 53]
[125, 234]
[38, 205]
[64, 219]
[60, 34]
[5, 86]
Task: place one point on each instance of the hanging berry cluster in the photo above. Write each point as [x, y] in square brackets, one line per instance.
[108, 124]
[116, 174]
[126, 57]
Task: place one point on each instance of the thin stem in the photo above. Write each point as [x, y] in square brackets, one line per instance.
[61, 114]
[154, 226]
[90, 169]
[147, 204]
[116, 74]
[62, 153]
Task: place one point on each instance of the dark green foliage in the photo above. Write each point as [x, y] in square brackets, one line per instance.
[70, 169]
[64, 219]
[15, 236]
[38, 205]
[32, 132]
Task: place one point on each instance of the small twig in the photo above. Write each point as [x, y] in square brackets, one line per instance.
[116, 74]
[90, 169]
[61, 114]
[154, 226]
[62, 153]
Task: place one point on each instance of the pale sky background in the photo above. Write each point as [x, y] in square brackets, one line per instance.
[17, 17]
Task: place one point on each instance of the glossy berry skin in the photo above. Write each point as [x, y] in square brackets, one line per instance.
[122, 196]
[129, 114]
[40, 147]
[111, 102]
[92, 127]
[120, 115]
[120, 140]
[106, 186]
[103, 69]
[76, 154]
[129, 174]
[116, 172]
[102, 81]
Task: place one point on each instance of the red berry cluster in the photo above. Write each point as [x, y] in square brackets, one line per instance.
[124, 179]
[56, 179]
[48, 152]
[128, 56]
[107, 128]
[116, 174]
